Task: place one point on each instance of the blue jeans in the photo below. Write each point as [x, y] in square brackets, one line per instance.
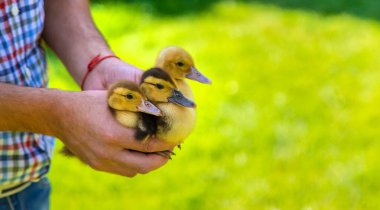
[34, 197]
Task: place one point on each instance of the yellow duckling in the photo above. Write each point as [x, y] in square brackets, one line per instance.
[179, 64]
[161, 90]
[127, 102]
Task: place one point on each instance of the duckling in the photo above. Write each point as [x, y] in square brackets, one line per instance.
[178, 118]
[179, 64]
[127, 102]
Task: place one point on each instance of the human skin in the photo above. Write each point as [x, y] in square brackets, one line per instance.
[81, 120]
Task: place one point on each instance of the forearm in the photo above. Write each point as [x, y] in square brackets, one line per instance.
[82, 120]
[27, 109]
[71, 33]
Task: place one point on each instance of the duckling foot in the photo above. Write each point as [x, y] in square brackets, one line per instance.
[179, 146]
[167, 153]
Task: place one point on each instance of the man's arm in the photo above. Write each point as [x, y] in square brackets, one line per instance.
[81, 120]
[71, 33]
[25, 109]
[91, 133]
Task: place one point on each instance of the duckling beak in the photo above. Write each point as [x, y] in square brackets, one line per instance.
[149, 108]
[178, 98]
[196, 75]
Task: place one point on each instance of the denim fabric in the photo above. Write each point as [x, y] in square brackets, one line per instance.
[34, 197]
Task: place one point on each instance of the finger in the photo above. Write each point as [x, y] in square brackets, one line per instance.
[130, 163]
[141, 162]
[156, 145]
[125, 137]
[150, 145]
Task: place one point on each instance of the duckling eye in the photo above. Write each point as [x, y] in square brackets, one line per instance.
[179, 63]
[129, 96]
[159, 86]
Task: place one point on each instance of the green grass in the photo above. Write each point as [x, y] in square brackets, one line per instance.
[291, 121]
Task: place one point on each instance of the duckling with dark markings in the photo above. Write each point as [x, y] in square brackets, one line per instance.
[174, 126]
[127, 103]
[179, 64]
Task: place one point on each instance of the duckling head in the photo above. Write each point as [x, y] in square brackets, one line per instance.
[179, 64]
[126, 96]
[159, 87]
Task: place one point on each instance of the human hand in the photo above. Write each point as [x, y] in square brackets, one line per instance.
[89, 130]
[109, 71]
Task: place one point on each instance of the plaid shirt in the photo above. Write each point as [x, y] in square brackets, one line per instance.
[23, 156]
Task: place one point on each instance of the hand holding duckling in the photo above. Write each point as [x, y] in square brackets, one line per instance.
[167, 89]
[165, 86]
[88, 127]
[127, 102]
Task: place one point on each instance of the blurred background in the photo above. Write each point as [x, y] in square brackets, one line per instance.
[291, 120]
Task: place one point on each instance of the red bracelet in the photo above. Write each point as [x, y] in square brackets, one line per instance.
[92, 64]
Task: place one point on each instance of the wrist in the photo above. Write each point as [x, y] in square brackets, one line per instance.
[83, 60]
[63, 104]
[53, 111]
[94, 62]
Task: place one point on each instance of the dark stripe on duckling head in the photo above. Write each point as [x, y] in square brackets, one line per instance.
[157, 73]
